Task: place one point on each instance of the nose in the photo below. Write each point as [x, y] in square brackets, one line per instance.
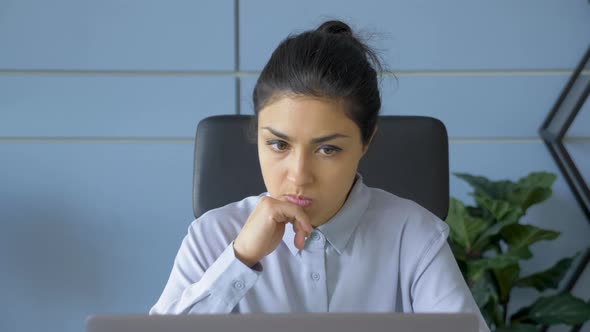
[300, 172]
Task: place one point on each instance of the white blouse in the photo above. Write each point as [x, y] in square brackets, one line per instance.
[379, 253]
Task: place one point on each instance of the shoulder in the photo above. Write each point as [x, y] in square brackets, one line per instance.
[223, 224]
[415, 232]
[406, 216]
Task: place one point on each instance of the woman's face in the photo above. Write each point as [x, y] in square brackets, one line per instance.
[309, 151]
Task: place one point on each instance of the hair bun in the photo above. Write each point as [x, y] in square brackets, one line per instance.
[335, 27]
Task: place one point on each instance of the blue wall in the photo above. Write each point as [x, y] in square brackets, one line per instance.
[99, 101]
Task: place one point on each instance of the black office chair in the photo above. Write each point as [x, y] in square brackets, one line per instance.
[408, 157]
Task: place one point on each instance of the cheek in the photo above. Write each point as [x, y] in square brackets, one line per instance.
[268, 160]
[335, 180]
[272, 173]
[338, 168]
[265, 162]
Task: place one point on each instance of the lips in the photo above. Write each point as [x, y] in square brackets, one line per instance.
[302, 201]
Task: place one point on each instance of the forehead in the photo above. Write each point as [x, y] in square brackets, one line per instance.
[307, 116]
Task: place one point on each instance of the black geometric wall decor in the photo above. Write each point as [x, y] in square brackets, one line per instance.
[553, 131]
[557, 123]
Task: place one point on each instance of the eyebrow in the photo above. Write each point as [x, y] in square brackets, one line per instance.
[313, 140]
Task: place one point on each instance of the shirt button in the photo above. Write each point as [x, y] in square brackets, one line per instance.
[315, 236]
[315, 276]
[239, 284]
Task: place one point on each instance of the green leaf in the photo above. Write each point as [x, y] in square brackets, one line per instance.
[538, 179]
[458, 252]
[493, 312]
[506, 278]
[464, 228]
[488, 314]
[511, 257]
[494, 189]
[549, 278]
[559, 309]
[498, 311]
[527, 196]
[521, 316]
[518, 328]
[498, 208]
[503, 212]
[483, 291]
[487, 236]
[532, 189]
[522, 236]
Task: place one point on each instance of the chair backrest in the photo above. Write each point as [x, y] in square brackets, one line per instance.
[408, 157]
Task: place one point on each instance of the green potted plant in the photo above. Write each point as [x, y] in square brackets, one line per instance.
[489, 242]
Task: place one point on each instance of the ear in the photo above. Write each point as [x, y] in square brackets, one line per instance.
[366, 146]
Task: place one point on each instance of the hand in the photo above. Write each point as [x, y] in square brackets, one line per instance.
[265, 228]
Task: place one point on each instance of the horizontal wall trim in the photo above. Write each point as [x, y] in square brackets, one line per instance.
[96, 140]
[513, 140]
[256, 73]
[191, 140]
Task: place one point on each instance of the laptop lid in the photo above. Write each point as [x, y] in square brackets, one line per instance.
[304, 322]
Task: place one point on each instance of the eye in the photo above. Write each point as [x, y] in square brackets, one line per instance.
[277, 145]
[329, 150]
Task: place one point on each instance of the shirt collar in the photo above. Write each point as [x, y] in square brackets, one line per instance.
[339, 229]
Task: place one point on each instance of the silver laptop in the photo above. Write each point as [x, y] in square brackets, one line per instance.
[322, 322]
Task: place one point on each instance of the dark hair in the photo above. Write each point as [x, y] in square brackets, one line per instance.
[329, 61]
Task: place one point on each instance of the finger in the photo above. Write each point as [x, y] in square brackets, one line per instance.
[299, 240]
[297, 215]
[300, 232]
[290, 214]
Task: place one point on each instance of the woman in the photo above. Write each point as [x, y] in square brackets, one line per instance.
[319, 240]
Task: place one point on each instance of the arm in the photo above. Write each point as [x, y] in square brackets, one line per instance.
[207, 276]
[439, 285]
[194, 287]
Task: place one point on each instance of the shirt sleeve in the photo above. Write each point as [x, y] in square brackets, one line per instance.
[439, 285]
[195, 288]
